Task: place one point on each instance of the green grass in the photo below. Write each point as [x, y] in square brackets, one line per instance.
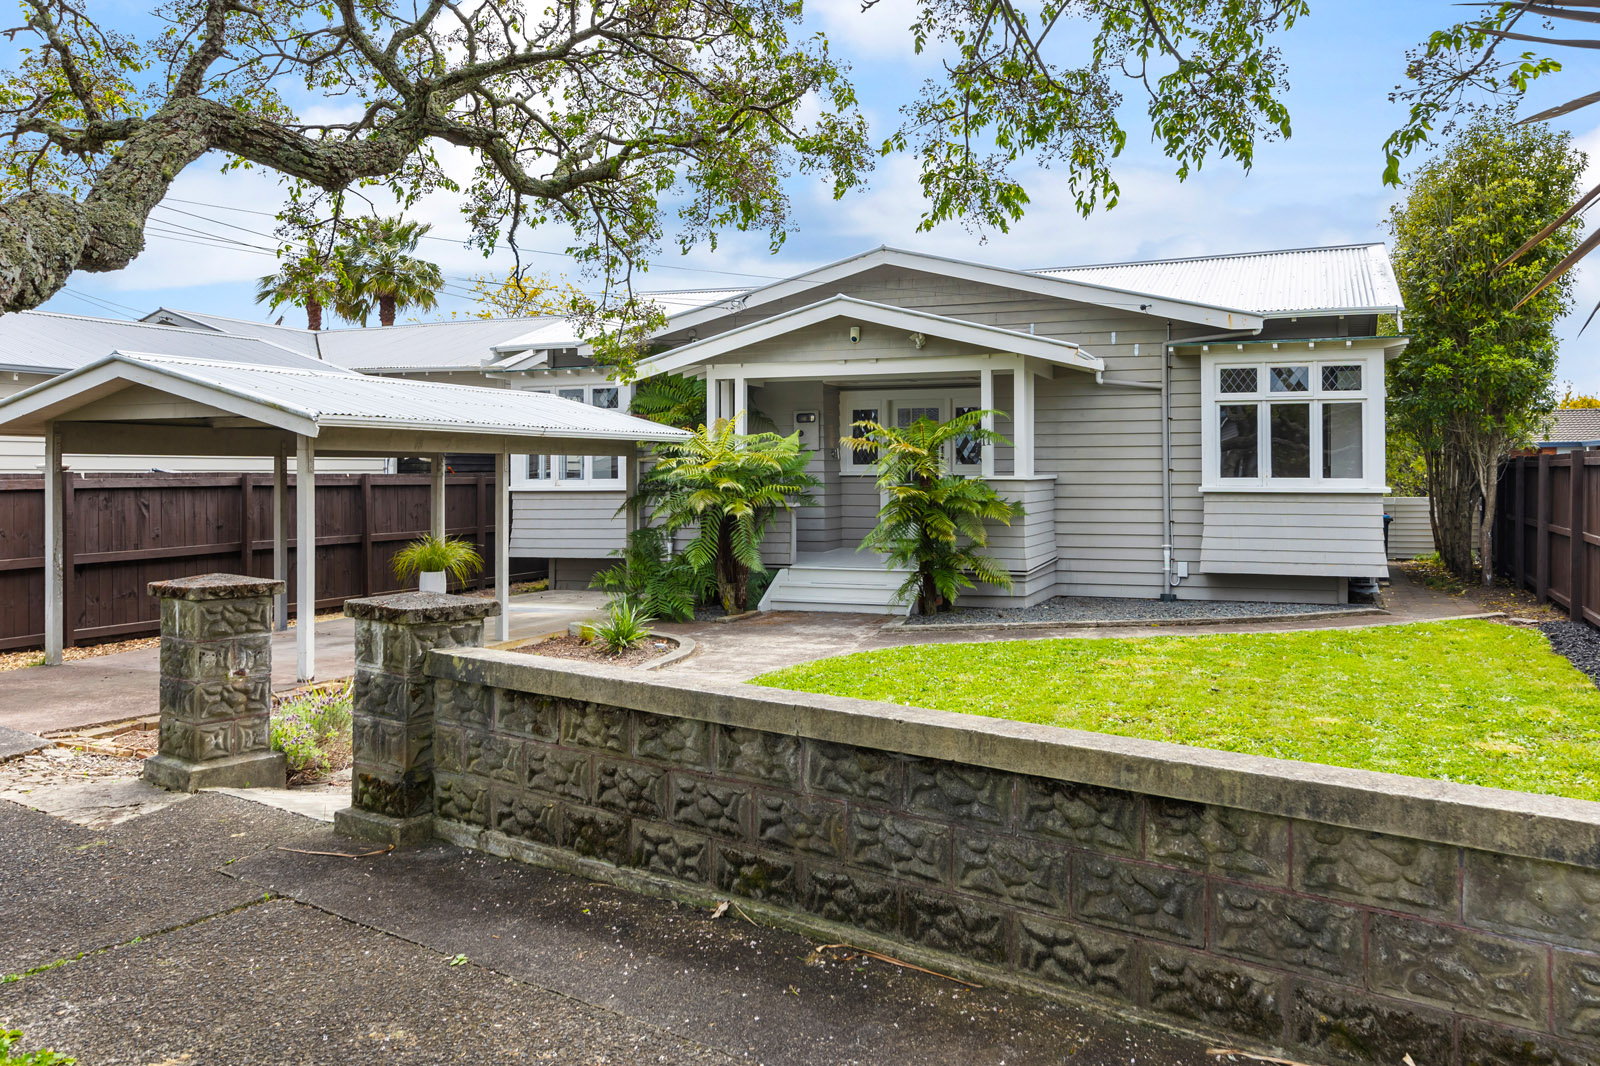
[1467, 701]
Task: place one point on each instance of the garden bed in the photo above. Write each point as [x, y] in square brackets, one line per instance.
[568, 646]
[1468, 701]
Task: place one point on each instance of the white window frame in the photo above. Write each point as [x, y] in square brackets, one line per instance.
[886, 403]
[1370, 396]
[552, 482]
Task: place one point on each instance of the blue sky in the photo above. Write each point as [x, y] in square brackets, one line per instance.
[1321, 186]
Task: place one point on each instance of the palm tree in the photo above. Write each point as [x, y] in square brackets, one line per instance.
[309, 279]
[933, 520]
[728, 488]
[377, 257]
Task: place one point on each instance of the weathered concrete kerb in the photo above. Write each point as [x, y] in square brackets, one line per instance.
[1332, 915]
[216, 684]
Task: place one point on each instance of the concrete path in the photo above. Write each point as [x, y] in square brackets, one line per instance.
[193, 935]
[109, 688]
[749, 647]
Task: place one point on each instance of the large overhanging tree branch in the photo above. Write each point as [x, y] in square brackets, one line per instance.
[599, 116]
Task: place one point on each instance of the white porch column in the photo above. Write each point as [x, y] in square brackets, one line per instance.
[436, 496]
[1022, 419]
[502, 542]
[741, 404]
[305, 501]
[986, 402]
[713, 400]
[55, 614]
[280, 538]
[630, 488]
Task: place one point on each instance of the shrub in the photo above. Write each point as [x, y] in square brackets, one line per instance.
[665, 585]
[627, 625]
[313, 730]
[454, 556]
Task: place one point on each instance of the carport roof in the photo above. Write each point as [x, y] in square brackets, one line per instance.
[308, 401]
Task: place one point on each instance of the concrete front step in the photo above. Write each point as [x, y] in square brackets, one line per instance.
[808, 588]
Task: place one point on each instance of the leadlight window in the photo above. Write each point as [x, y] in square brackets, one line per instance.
[1237, 379]
[1273, 426]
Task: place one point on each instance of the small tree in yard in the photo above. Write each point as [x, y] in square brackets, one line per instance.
[1477, 379]
[933, 521]
[728, 488]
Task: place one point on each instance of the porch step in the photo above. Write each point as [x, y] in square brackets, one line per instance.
[844, 589]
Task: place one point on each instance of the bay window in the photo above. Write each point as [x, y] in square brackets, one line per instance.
[1292, 422]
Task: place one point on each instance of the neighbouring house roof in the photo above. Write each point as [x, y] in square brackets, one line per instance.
[301, 340]
[1574, 425]
[991, 338]
[306, 401]
[46, 342]
[1343, 279]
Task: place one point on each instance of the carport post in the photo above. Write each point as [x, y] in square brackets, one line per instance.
[436, 496]
[55, 614]
[280, 538]
[305, 501]
[502, 542]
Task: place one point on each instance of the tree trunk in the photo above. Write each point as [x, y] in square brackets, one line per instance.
[1453, 496]
[732, 584]
[386, 310]
[928, 598]
[313, 315]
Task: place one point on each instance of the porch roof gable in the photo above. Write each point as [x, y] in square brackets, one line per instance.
[994, 338]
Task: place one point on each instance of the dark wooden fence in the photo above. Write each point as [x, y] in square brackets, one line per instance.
[1547, 529]
[126, 530]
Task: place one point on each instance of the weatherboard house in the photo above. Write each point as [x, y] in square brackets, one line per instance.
[1209, 428]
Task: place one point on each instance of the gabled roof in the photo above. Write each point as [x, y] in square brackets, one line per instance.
[1341, 279]
[301, 340]
[46, 342]
[307, 401]
[1574, 425]
[1184, 310]
[991, 338]
[528, 350]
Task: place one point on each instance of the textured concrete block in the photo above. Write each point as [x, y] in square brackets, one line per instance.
[722, 810]
[1547, 900]
[1020, 870]
[1077, 956]
[492, 755]
[458, 702]
[771, 758]
[1215, 993]
[973, 929]
[595, 834]
[377, 694]
[859, 773]
[1491, 1045]
[630, 788]
[1152, 900]
[851, 898]
[215, 619]
[758, 875]
[680, 741]
[958, 792]
[1345, 1026]
[1100, 818]
[800, 823]
[672, 853]
[1577, 995]
[556, 771]
[212, 699]
[525, 714]
[447, 744]
[901, 846]
[460, 799]
[1219, 840]
[526, 817]
[592, 725]
[1386, 871]
[217, 660]
[382, 829]
[1293, 932]
[258, 769]
[1473, 973]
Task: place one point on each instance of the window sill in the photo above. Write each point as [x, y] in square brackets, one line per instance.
[1322, 488]
[568, 486]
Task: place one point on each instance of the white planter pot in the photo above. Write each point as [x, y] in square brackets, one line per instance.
[431, 581]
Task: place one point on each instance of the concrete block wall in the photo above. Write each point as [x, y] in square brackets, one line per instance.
[1332, 915]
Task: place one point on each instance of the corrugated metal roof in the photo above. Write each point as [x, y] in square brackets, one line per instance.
[48, 342]
[1345, 278]
[1575, 424]
[330, 397]
[301, 340]
[464, 344]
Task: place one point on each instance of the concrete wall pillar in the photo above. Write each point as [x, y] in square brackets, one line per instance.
[391, 788]
[216, 684]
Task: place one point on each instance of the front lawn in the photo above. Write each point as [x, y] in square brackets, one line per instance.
[1467, 701]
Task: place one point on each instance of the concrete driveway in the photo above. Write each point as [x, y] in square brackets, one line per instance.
[110, 688]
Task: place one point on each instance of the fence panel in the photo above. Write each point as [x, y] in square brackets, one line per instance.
[1547, 529]
[125, 530]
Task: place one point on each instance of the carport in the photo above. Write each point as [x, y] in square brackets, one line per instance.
[132, 403]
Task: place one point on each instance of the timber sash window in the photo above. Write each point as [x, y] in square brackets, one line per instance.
[576, 471]
[1290, 423]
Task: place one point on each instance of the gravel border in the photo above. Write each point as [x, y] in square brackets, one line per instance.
[1090, 611]
[1579, 642]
